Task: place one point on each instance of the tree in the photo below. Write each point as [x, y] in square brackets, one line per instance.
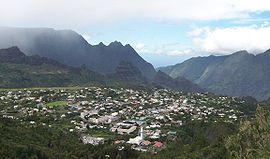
[253, 138]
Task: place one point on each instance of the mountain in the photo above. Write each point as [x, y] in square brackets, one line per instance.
[238, 74]
[52, 56]
[125, 71]
[19, 70]
[128, 75]
[179, 83]
[70, 48]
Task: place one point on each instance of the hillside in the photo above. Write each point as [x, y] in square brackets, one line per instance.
[238, 74]
[19, 70]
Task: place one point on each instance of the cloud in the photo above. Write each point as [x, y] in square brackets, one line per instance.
[254, 39]
[140, 46]
[249, 21]
[82, 13]
[198, 31]
[186, 52]
[168, 49]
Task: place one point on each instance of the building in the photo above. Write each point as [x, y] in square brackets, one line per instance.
[138, 139]
[86, 139]
[158, 145]
[124, 129]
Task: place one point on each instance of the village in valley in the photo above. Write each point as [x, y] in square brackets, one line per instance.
[146, 121]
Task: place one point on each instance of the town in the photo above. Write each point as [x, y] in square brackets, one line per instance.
[142, 119]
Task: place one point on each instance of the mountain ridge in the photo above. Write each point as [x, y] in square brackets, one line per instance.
[237, 74]
[70, 48]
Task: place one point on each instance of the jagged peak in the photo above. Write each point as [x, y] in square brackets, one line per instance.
[116, 43]
[101, 44]
[128, 46]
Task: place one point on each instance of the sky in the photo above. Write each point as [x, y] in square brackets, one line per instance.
[164, 32]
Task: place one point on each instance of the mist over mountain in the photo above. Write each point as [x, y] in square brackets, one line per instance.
[70, 48]
[238, 74]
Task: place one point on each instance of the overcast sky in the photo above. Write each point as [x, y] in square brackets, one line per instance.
[162, 31]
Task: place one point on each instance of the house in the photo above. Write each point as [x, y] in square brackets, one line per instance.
[124, 129]
[86, 139]
[103, 119]
[146, 143]
[158, 145]
[116, 142]
[137, 140]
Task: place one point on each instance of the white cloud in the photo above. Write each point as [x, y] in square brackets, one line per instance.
[227, 40]
[198, 31]
[82, 13]
[266, 23]
[167, 49]
[186, 52]
[139, 46]
[142, 48]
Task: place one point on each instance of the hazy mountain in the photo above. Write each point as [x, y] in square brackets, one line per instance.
[179, 83]
[238, 74]
[70, 48]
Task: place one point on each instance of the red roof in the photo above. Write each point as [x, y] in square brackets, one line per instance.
[158, 144]
[117, 142]
[146, 143]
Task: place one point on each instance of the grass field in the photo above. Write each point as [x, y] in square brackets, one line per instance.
[57, 103]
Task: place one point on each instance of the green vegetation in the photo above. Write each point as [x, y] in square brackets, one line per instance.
[57, 103]
[18, 141]
[24, 142]
[253, 138]
[196, 140]
[22, 75]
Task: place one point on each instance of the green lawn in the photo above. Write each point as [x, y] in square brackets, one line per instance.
[103, 133]
[57, 103]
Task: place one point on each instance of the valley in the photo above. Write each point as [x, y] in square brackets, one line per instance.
[134, 79]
